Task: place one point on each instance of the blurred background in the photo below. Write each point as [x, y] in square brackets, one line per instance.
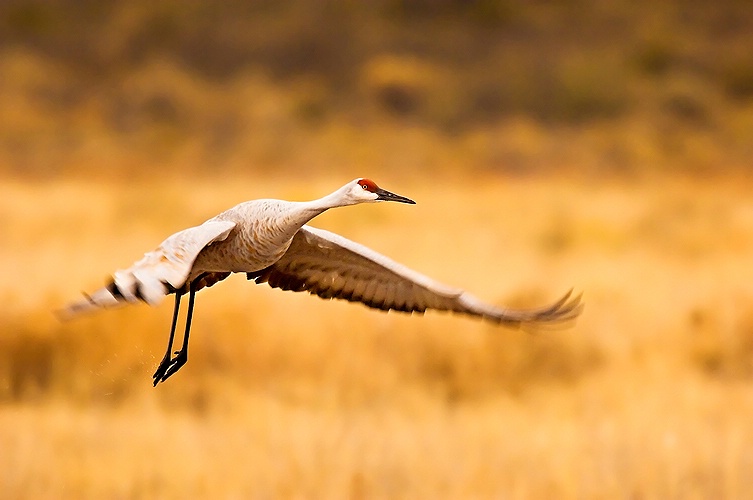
[601, 145]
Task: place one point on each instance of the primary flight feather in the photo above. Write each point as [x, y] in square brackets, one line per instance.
[270, 242]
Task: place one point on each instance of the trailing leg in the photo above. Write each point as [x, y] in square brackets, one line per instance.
[166, 360]
[181, 357]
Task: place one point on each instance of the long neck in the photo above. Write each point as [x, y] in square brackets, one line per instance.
[306, 210]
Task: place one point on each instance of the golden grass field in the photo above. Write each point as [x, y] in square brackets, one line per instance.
[604, 146]
[648, 395]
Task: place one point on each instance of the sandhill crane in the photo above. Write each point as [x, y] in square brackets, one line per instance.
[270, 242]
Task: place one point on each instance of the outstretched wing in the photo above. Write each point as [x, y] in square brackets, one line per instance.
[159, 273]
[330, 266]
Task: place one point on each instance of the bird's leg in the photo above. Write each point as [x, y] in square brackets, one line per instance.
[182, 356]
[165, 363]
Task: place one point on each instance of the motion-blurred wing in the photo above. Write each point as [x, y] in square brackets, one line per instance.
[159, 273]
[330, 266]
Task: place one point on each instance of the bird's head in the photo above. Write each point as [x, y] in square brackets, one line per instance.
[366, 191]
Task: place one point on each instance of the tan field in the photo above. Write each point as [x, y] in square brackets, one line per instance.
[290, 396]
[600, 146]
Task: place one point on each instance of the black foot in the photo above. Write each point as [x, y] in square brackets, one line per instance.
[161, 369]
[176, 364]
[168, 367]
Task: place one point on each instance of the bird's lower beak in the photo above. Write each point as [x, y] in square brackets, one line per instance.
[384, 195]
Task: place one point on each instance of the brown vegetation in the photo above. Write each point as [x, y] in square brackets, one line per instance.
[288, 395]
[598, 145]
[622, 87]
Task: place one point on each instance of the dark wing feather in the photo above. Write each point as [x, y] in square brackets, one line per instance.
[206, 280]
[330, 266]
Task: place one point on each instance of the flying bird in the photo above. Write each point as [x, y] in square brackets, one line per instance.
[270, 241]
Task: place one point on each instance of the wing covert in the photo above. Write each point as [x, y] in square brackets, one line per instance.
[331, 266]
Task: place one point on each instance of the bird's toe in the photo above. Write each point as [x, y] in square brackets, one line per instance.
[176, 364]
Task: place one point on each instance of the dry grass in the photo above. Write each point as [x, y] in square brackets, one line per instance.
[507, 123]
[290, 396]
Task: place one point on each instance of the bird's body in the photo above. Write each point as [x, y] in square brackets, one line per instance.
[264, 231]
[269, 241]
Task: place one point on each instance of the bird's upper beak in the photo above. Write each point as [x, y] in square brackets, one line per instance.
[384, 195]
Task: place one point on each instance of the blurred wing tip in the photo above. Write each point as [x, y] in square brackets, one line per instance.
[86, 305]
[566, 299]
[63, 315]
[75, 309]
[567, 308]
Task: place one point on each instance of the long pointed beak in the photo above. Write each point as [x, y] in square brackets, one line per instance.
[384, 195]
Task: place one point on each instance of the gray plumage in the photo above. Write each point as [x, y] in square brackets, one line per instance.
[270, 242]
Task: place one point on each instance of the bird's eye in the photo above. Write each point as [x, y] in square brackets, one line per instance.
[365, 187]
